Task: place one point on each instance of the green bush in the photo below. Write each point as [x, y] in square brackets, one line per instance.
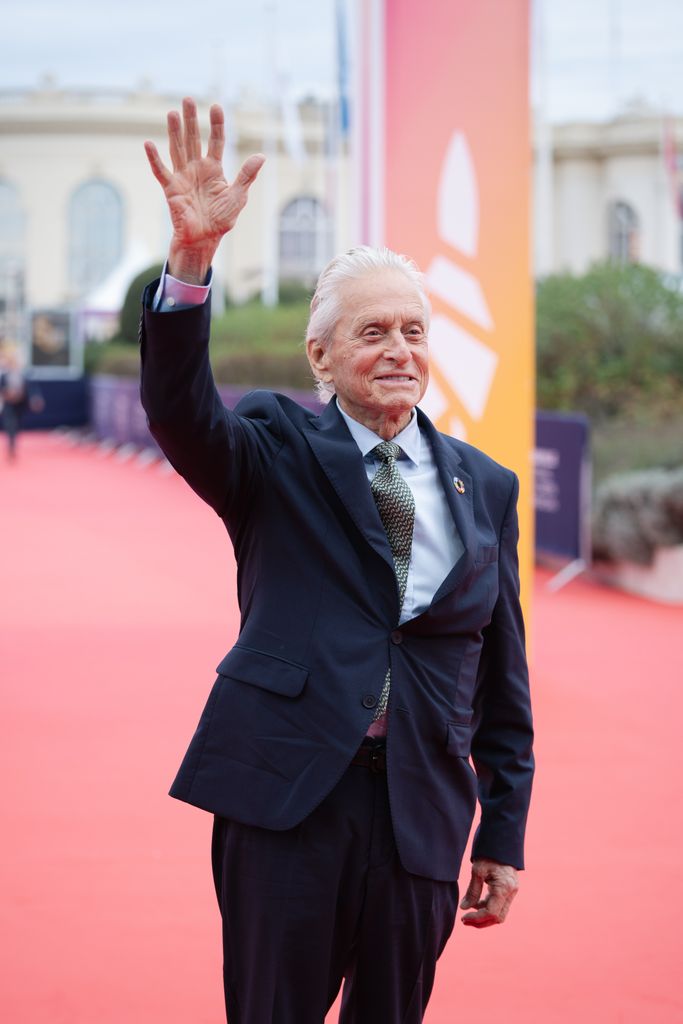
[609, 342]
[130, 311]
[290, 292]
[263, 369]
[622, 444]
[253, 327]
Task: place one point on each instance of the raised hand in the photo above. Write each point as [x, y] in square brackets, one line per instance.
[202, 204]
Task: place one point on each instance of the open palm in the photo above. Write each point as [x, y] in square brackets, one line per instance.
[202, 204]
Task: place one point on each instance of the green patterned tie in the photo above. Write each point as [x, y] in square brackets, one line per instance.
[396, 507]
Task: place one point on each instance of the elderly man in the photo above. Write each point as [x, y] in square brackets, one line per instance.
[381, 640]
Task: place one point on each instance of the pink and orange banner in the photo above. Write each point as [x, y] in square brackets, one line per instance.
[448, 156]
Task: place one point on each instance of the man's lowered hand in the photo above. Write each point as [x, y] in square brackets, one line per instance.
[502, 885]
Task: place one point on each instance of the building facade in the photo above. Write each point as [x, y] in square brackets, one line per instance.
[80, 213]
[609, 191]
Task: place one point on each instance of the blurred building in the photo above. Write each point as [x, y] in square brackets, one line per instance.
[610, 190]
[80, 213]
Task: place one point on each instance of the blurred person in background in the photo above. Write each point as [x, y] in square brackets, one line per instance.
[17, 395]
[381, 639]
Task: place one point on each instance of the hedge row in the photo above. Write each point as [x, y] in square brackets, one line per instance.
[610, 342]
[635, 513]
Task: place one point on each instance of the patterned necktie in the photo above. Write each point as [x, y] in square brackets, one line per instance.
[396, 507]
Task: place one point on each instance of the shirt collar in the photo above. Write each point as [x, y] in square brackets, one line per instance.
[409, 439]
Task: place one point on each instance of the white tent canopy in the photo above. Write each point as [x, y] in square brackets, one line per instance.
[109, 295]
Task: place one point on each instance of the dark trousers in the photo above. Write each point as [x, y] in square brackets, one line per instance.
[326, 902]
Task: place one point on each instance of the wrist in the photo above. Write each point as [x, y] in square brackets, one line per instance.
[190, 264]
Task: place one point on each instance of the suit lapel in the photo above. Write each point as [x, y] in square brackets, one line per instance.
[450, 469]
[342, 463]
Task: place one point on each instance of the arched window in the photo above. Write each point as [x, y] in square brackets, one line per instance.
[305, 240]
[11, 224]
[624, 231]
[12, 258]
[95, 234]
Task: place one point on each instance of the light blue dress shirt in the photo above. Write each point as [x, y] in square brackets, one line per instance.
[172, 294]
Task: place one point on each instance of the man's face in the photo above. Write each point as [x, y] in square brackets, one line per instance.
[378, 358]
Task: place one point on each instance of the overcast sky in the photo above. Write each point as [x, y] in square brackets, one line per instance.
[599, 53]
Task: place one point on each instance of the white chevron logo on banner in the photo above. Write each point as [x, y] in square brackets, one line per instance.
[464, 362]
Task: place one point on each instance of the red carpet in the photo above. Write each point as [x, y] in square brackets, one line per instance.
[118, 601]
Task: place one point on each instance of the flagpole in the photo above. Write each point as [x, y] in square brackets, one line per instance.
[544, 212]
[270, 184]
[221, 258]
[340, 129]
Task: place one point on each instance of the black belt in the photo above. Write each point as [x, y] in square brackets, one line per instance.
[372, 754]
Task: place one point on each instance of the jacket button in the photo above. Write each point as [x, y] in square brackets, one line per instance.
[369, 701]
[397, 637]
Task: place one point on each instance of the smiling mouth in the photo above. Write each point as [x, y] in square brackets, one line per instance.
[403, 378]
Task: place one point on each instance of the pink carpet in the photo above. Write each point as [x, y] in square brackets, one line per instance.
[117, 603]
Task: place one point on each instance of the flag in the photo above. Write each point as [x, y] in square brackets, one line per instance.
[342, 70]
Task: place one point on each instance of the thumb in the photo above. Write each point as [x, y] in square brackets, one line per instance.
[471, 897]
[249, 169]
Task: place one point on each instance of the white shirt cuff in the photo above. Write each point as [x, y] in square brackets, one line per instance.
[173, 294]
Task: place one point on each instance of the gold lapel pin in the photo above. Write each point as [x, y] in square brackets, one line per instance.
[459, 485]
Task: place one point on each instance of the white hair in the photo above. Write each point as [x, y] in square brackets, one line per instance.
[326, 304]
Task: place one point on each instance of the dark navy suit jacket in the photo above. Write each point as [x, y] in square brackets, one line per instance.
[319, 606]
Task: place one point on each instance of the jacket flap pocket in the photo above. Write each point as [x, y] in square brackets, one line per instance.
[461, 716]
[458, 736]
[264, 670]
[486, 553]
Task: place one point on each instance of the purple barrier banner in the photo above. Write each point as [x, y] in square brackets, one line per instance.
[562, 486]
[117, 414]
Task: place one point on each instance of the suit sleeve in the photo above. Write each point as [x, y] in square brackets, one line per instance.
[503, 732]
[220, 454]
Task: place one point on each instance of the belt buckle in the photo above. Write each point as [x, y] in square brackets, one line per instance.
[378, 760]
